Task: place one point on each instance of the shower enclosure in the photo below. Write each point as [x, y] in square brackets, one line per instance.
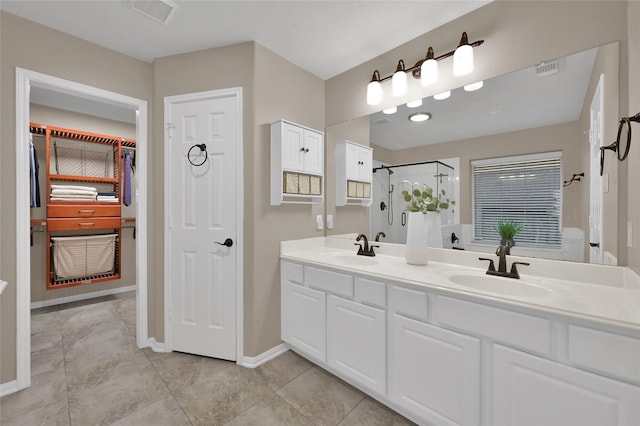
[388, 205]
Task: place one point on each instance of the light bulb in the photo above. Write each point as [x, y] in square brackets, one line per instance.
[474, 86]
[463, 58]
[442, 96]
[374, 93]
[429, 69]
[399, 80]
[391, 110]
[414, 104]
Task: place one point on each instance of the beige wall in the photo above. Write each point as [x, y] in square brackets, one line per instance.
[517, 35]
[37, 48]
[282, 90]
[633, 163]
[56, 117]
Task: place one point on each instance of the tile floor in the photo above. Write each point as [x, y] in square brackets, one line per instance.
[87, 370]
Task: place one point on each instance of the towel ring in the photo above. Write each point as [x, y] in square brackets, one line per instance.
[625, 122]
[203, 148]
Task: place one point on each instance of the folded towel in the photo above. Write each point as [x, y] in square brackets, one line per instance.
[71, 187]
[105, 194]
[109, 199]
[74, 196]
[72, 199]
[72, 192]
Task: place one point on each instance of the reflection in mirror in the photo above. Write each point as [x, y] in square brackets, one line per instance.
[541, 109]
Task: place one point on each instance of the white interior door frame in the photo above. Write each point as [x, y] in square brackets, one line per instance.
[235, 92]
[25, 79]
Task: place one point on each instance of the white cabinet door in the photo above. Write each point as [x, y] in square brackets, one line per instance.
[434, 373]
[304, 320]
[313, 152]
[358, 162]
[528, 390]
[357, 341]
[292, 147]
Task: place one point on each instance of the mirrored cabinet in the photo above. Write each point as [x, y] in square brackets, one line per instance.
[354, 165]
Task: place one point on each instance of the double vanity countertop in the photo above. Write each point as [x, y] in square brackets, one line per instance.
[605, 294]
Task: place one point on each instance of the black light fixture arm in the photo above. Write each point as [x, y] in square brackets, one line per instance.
[415, 70]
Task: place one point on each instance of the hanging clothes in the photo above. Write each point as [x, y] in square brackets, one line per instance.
[126, 199]
[34, 172]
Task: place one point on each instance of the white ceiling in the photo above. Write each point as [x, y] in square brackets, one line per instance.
[515, 101]
[324, 37]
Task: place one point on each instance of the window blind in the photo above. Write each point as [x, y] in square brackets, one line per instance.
[523, 190]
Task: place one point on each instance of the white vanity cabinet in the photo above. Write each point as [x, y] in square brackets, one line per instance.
[357, 342]
[529, 390]
[297, 164]
[354, 164]
[434, 374]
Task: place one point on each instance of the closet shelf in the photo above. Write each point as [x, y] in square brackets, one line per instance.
[91, 179]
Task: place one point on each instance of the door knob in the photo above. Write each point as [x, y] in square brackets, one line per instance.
[228, 242]
[594, 244]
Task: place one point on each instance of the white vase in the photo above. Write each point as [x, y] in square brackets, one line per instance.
[434, 229]
[417, 240]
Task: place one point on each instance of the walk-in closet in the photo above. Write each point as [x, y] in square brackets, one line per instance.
[83, 198]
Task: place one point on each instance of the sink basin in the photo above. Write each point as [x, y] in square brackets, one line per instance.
[498, 285]
[353, 260]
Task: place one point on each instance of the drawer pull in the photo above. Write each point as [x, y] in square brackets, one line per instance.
[87, 224]
[86, 211]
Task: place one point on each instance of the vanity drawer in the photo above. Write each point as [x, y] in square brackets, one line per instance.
[292, 272]
[82, 224]
[370, 292]
[82, 210]
[605, 352]
[521, 330]
[409, 302]
[330, 281]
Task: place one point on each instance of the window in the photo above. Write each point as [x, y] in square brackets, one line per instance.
[525, 189]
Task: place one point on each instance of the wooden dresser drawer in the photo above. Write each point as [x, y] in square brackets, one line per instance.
[82, 224]
[83, 210]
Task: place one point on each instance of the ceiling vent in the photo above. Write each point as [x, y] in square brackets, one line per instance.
[547, 68]
[158, 10]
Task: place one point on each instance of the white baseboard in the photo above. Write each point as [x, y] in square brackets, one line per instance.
[83, 296]
[157, 346]
[8, 388]
[256, 361]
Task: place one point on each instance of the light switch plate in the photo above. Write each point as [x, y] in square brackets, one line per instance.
[329, 221]
[319, 223]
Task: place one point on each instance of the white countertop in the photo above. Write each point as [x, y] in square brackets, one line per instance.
[605, 294]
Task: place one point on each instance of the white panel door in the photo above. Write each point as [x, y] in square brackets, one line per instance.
[202, 214]
[595, 180]
[292, 147]
[434, 373]
[357, 341]
[531, 391]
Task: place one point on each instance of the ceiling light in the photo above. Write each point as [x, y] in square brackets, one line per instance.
[391, 110]
[399, 80]
[463, 57]
[474, 86]
[415, 104]
[442, 96]
[425, 69]
[420, 116]
[374, 90]
[429, 69]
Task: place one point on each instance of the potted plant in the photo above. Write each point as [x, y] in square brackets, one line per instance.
[508, 230]
[423, 230]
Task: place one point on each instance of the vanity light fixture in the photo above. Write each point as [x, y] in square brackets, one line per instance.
[463, 57]
[399, 80]
[442, 96]
[474, 86]
[391, 110]
[420, 116]
[414, 104]
[425, 69]
[374, 90]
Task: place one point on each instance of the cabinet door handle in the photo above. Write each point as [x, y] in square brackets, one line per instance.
[302, 149]
[86, 211]
[87, 224]
[306, 150]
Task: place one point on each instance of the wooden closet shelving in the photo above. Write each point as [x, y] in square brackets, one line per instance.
[72, 218]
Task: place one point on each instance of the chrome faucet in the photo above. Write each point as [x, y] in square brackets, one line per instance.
[501, 252]
[366, 250]
[380, 234]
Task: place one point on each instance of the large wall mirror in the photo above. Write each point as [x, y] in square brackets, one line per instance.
[565, 107]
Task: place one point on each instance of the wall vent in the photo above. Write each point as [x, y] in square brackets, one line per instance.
[158, 10]
[551, 67]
